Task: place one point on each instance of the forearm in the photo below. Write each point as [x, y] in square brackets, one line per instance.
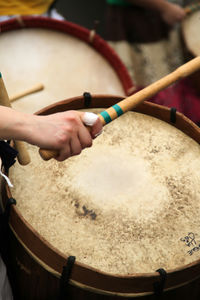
[65, 131]
[157, 5]
[13, 124]
[170, 13]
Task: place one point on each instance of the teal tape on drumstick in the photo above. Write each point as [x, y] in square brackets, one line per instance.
[106, 115]
[118, 109]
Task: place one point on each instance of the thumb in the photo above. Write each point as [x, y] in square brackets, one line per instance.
[92, 120]
[89, 118]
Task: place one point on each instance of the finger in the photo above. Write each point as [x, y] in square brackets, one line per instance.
[75, 146]
[64, 153]
[84, 137]
[96, 129]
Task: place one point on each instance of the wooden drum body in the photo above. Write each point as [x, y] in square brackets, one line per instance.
[66, 58]
[124, 208]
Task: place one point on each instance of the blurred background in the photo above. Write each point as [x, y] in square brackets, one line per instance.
[84, 13]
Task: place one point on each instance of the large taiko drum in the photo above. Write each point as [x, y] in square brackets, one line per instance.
[66, 58]
[127, 208]
[191, 41]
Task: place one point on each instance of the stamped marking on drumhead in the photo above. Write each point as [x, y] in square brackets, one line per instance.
[124, 205]
[191, 242]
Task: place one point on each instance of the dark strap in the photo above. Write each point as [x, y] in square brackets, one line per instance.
[10, 201]
[7, 154]
[159, 285]
[65, 277]
[87, 99]
[4, 227]
[53, 5]
[173, 115]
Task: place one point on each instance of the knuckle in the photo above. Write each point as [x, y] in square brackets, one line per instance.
[61, 139]
[72, 117]
[69, 130]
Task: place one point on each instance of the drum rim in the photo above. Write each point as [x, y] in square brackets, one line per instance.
[83, 34]
[136, 283]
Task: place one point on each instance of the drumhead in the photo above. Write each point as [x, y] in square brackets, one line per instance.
[64, 63]
[130, 204]
[190, 29]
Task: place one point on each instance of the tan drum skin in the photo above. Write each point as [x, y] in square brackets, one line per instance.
[191, 43]
[37, 264]
[66, 58]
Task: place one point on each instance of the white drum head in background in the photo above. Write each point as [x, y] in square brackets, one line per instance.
[66, 66]
[191, 29]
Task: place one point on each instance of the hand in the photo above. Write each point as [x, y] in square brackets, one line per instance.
[64, 132]
[172, 14]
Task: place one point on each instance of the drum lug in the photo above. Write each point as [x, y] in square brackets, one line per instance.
[87, 99]
[173, 115]
[65, 277]
[159, 285]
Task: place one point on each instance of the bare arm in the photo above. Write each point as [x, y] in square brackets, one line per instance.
[171, 13]
[64, 132]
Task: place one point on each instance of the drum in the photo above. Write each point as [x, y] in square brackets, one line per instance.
[66, 58]
[190, 29]
[127, 209]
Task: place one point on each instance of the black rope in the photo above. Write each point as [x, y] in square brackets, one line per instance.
[65, 277]
[173, 115]
[7, 155]
[159, 285]
[87, 99]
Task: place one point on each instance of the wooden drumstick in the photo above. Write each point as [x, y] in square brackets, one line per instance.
[191, 8]
[132, 101]
[23, 156]
[36, 88]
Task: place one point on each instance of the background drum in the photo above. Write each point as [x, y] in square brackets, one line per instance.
[66, 58]
[125, 208]
[191, 42]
